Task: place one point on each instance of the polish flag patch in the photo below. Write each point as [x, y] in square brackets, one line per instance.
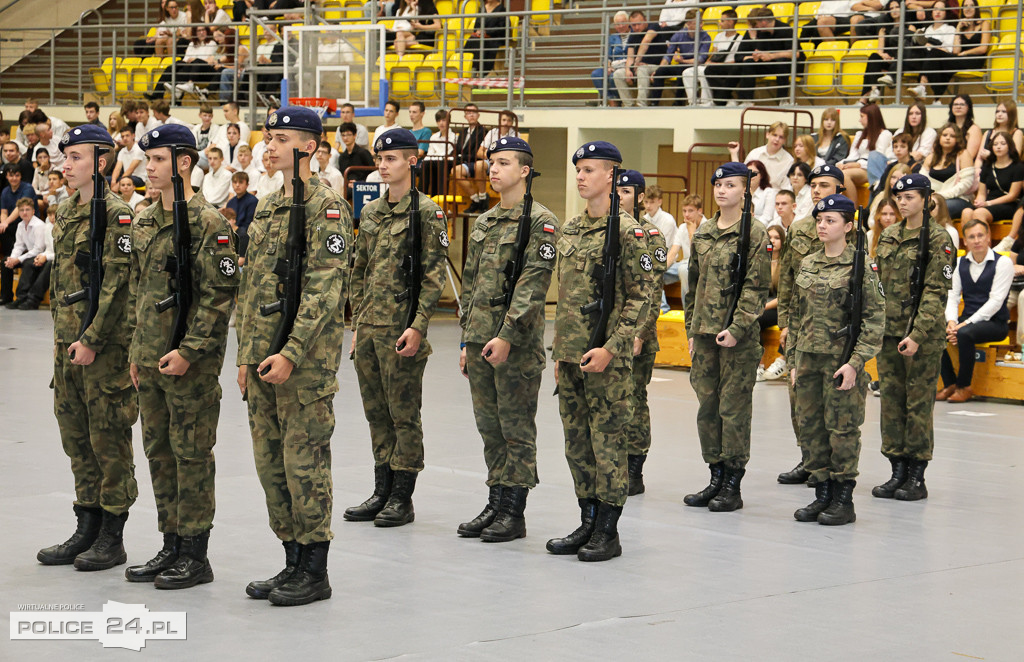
[333, 214]
[874, 267]
[549, 228]
[949, 251]
[768, 247]
[223, 239]
[124, 219]
[440, 214]
[653, 232]
[638, 233]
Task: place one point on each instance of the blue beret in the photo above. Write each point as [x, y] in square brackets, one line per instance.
[631, 178]
[598, 149]
[297, 118]
[828, 171]
[396, 139]
[835, 202]
[913, 181]
[168, 135]
[87, 134]
[509, 144]
[730, 169]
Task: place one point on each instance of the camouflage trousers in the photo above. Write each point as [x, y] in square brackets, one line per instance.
[291, 426]
[505, 407]
[638, 430]
[392, 390]
[908, 398]
[830, 420]
[95, 406]
[595, 407]
[794, 416]
[179, 430]
[723, 379]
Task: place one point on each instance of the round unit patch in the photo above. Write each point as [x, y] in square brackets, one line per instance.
[227, 266]
[546, 251]
[660, 255]
[124, 243]
[335, 244]
[443, 237]
[645, 262]
[66, 138]
[947, 271]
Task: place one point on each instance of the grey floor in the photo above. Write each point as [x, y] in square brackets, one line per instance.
[934, 580]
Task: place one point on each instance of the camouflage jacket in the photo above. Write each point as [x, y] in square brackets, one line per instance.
[580, 260]
[820, 290]
[492, 244]
[214, 281]
[317, 334]
[71, 235]
[381, 247]
[709, 273]
[801, 240]
[897, 251]
[647, 329]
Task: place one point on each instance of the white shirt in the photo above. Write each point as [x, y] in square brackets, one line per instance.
[777, 166]
[267, 185]
[142, 129]
[220, 18]
[1001, 281]
[333, 177]
[380, 130]
[673, 13]
[135, 199]
[762, 202]
[197, 178]
[362, 136]
[59, 127]
[254, 175]
[30, 241]
[665, 223]
[835, 8]
[722, 43]
[925, 143]
[944, 32]
[437, 150]
[859, 149]
[57, 157]
[217, 186]
[166, 31]
[125, 158]
[221, 138]
[201, 51]
[257, 155]
[48, 235]
[171, 119]
[492, 137]
[212, 133]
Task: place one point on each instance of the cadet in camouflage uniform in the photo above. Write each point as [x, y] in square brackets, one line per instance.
[830, 416]
[291, 393]
[93, 396]
[503, 351]
[179, 388]
[631, 187]
[725, 358]
[801, 240]
[908, 365]
[595, 385]
[390, 354]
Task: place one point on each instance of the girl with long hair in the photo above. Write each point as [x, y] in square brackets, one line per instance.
[999, 188]
[867, 158]
[915, 124]
[951, 169]
[831, 143]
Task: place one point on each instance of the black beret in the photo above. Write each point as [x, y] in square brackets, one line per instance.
[396, 139]
[631, 178]
[509, 144]
[296, 118]
[168, 135]
[87, 134]
[598, 149]
[730, 169]
[835, 202]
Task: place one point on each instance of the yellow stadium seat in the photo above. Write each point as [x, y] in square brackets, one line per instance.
[123, 74]
[142, 75]
[822, 66]
[255, 137]
[807, 11]
[540, 6]
[459, 66]
[853, 65]
[445, 7]
[332, 11]
[400, 74]
[1000, 63]
[426, 77]
[990, 8]
[1007, 24]
[101, 78]
[783, 11]
[742, 12]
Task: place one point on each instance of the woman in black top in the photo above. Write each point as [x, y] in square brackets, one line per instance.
[952, 168]
[1000, 185]
[489, 35]
[973, 35]
[881, 63]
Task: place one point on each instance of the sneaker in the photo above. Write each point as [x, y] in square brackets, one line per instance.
[918, 92]
[886, 79]
[760, 373]
[776, 370]
[874, 95]
[1005, 244]
[733, 104]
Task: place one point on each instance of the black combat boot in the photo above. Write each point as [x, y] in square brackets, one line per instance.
[604, 542]
[261, 589]
[636, 474]
[728, 498]
[913, 488]
[887, 490]
[398, 510]
[840, 511]
[703, 498]
[383, 477]
[164, 559]
[192, 566]
[822, 499]
[795, 476]
[572, 542]
[509, 524]
[89, 521]
[108, 549]
[309, 582]
[472, 528]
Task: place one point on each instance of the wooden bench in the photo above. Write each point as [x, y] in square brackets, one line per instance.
[993, 377]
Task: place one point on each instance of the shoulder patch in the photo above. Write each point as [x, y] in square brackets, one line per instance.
[335, 243]
[660, 255]
[638, 233]
[549, 228]
[333, 214]
[769, 248]
[223, 239]
[947, 271]
[949, 251]
[439, 214]
[653, 232]
[645, 262]
[874, 267]
[546, 251]
[124, 243]
[227, 266]
[443, 237]
[124, 219]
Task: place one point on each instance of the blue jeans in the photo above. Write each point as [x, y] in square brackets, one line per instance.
[876, 167]
[670, 276]
[596, 75]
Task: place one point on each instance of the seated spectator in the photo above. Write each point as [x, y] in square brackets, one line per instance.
[916, 126]
[246, 165]
[417, 110]
[48, 143]
[131, 160]
[15, 190]
[867, 158]
[983, 280]
[126, 191]
[720, 63]
[762, 193]
[602, 76]
[57, 191]
[678, 259]
[1005, 120]
[347, 114]
[999, 189]
[115, 124]
[766, 50]
[440, 155]
[804, 152]
[672, 14]
[901, 144]
[464, 173]
[883, 191]
[973, 37]
[940, 215]
[505, 128]
[232, 84]
[92, 113]
[11, 154]
[685, 50]
[40, 175]
[933, 55]
[961, 113]
[352, 154]
[417, 31]
[30, 241]
[230, 150]
[162, 113]
[391, 108]
[213, 14]
[217, 183]
[198, 66]
[886, 213]
[869, 14]
[831, 20]
[645, 47]
[882, 63]
[951, 171]
[785, 210]
[489, 36]
[144, 120]
[231, 116]
[243, 204]
[772, 155]
[205, 132]
[799, 174]
[169, 35]
[770, 315]
[270, 180]
[326, 172]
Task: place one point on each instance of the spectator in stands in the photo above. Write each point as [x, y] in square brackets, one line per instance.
[347, 114]
[198, 66]
[57, 191]
[417, 31]
[213, 14]
[999, 188]
[678, 259]
[131, 160]
[882, 63]
[206, 130]
[353, 154]
[31, 139]
[126, 191]
[31, 105]
[416, 112]
[5, 133]
[30, 241]
[144, 121]
[672, 14]
[915, 124]
[867, 158]
[48, 143]
[328, 173]
[886, 213]
[766, 50]
[722, 58]
[168, 37]
[933, 54]
[464, 172]
[785, 210]
[115, 124]
[685, 49]
[645, 47]
[831, 20]
[246, 164]
[92, 113]
[15, 190]
[973, 37]
[799, 174]
[1005, 120]
[162, 113]
[902, 163]
[217, 182]
[489, 36]
[961, 112]
[762, 193]
[773, 155]
[391, 109]
[41, 172]
[233, 135]
[440, 155]
[270, 180]
[11, 154]
[232, 66]
[804, 152]
[505, 128]
[602, 76]
[982, 279]
[951, 169]
[243, 203]
[869, 14]
[231, 116]
[128, 111]
[940, 215]
[770, 316]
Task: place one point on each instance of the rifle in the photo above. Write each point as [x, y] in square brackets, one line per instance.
[412, 264]
[91, 262]
[606, 275]
[289, 269]
[738, 268]
[514, 267]
[178, 265]
[917, 274]
[854, 299]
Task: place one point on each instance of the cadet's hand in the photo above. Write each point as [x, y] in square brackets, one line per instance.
[133, 371]
[725, 339]
[596, 360]
[243, 373]
[638, 346]
[352, 348]
[908, 347]
[409, 343]
[849, 376]
[172, 364]
[275, 369]
[462, 363]
[80, 354]
[783, 334]
[792, 377]
[689, 343]
[496, 351]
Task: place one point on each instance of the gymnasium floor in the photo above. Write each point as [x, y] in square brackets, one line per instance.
[934, 580]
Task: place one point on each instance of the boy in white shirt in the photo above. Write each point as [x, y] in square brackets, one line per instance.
[217, 183]
[231, 117]
[258, 150]
[30, 241]
[269, 181]
[348, 114]
[391, 109]
[679, 249]
[144, 122]
[329, 173]
[246, 165]
[131, 160]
